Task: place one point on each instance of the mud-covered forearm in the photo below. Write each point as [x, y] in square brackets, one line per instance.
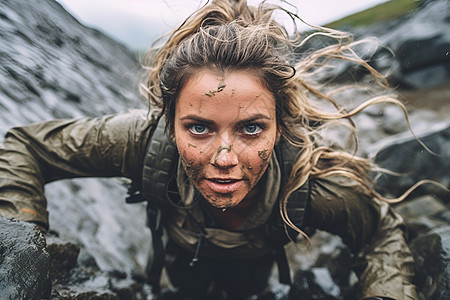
[371, 229]
[385, 266]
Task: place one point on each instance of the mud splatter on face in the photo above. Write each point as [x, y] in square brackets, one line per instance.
[193, 171]
[263, 154]
[210, 166]
[220, 150]
[220, 87]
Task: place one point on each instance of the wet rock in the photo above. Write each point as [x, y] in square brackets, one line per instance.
[444, 216]
[393, 120]
[420, 42]
[421, 206]
[315, 283]
[429, 231]
[74, 278]
[323, 270]
[127, 288]
[422, 214]
[63, 257]
[422, 53]
[51, 66]
[404, 155]
[432, 255]
[24, 263]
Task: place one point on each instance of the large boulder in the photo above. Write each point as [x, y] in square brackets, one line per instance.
[404, 155]
[51, 66]
[24, 263]
[414, 50]
[432, 255]
[421, 43]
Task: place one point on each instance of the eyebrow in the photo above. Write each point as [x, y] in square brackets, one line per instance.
[198, 119]
[254, 118]
[211, 122]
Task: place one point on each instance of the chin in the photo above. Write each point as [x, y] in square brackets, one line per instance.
[223, 202]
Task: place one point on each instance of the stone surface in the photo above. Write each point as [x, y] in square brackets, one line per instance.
[24, 263]
[51, 66]
[414, 49]
[432, 254]
[63, 256]
[315, 283]
[404, 155]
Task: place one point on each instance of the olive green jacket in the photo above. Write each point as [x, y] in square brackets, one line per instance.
[115, 145]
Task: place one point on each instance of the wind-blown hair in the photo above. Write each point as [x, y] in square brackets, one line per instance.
[228, 35]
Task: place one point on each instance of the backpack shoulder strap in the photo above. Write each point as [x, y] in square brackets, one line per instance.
[159, 166]
[276, 229]
[297, 201]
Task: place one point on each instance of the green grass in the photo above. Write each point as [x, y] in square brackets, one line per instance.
[382, 12]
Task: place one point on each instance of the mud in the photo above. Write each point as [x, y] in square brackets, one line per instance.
[192, 171]
[220, 87]
[219, 150]
[263, 154]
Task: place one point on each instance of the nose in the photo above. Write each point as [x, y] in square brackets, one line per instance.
[225, 157]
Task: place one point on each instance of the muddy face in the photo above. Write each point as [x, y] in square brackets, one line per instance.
[225, 140]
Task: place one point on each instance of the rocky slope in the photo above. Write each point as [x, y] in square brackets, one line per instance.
[53, 67]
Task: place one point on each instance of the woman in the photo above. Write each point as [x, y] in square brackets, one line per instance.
[226, 85]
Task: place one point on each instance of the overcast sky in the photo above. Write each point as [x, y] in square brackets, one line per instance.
[137, 22]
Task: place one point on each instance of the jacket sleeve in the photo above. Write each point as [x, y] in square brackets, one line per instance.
[36, 154]
[372, 230]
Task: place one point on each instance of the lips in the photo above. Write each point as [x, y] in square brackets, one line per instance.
[224, 185]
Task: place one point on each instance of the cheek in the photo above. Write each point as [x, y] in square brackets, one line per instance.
[192, 158]
[256, 160]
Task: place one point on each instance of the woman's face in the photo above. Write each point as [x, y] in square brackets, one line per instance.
[225, 131]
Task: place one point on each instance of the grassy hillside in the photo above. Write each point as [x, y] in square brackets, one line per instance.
[382, 12]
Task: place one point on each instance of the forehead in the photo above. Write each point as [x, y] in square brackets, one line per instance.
[235, 93]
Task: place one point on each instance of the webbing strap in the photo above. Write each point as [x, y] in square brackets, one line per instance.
[283, 265]
[159, 162]
[297, 201]
[276, 229]
[156, 262]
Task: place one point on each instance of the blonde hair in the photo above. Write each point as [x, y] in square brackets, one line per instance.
[230, 35]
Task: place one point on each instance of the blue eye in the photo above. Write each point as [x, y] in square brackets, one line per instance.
[198, 129]
[251, 129]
